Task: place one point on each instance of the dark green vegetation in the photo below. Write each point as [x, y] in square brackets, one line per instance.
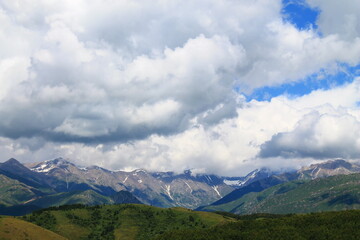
[334, 193]
[330, 225]
[125, 221]
[132, 221]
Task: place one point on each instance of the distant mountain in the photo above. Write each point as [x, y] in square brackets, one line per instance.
[340, 192]
[87, 197]
[314, 171]
[256, 186]
[13, 192]
[69, 177]
[23, 190]
[326, 169]
[59, 181]
[163, 189]
[253, 176]
[15, 170]
[124, 197]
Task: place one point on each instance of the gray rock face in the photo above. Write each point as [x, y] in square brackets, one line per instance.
[329, 168]
[319, 170]
[163, 189]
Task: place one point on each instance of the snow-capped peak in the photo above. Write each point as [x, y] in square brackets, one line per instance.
[50, 164]
[255, 175]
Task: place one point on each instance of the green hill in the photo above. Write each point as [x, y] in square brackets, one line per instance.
[13, 192]
[125, 221]
[12, 228]
[137, 222]
[340, 192]
[320, 226]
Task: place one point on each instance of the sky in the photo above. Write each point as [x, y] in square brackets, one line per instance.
[219, 87]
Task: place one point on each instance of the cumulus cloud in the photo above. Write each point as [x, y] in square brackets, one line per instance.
[340, 18]
[318, 136]
[118, 71]
[152, 84]
[232, 146]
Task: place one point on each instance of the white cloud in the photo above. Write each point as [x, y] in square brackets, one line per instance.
[340, 18]
[151, 84]
[287, 132]
[319, 136]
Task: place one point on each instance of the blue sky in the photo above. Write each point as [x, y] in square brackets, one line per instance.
[321, 80]
[299, 13]
[304, 17]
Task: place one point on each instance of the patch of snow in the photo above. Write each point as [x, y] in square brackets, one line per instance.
[126, 179]
[232, 182]
[135, 172]
[44, 168]
[216, 190]
[189, 187]
[167, 191]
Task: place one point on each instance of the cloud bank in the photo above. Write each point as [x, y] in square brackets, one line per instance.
[160, 85]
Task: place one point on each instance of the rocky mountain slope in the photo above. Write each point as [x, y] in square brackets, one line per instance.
[315, 171]
[37, 185]
[340, 192]
[58, 181]
[163, 189]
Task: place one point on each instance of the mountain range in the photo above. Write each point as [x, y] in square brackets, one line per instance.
[58, 182]
[332, 185]
[28, 187]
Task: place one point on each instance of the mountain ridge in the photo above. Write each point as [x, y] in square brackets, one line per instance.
[162, 189]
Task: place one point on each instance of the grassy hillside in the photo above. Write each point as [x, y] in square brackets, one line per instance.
[13, 192]
[321, 226]
[125, 221]
[132, 221]
[88, 197]
[12, 228]
[340, 192]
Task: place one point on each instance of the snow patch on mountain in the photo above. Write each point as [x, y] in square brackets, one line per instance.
[191, 190]
[167, 191]
[255, 175]
[216, 190]
[49, 165]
